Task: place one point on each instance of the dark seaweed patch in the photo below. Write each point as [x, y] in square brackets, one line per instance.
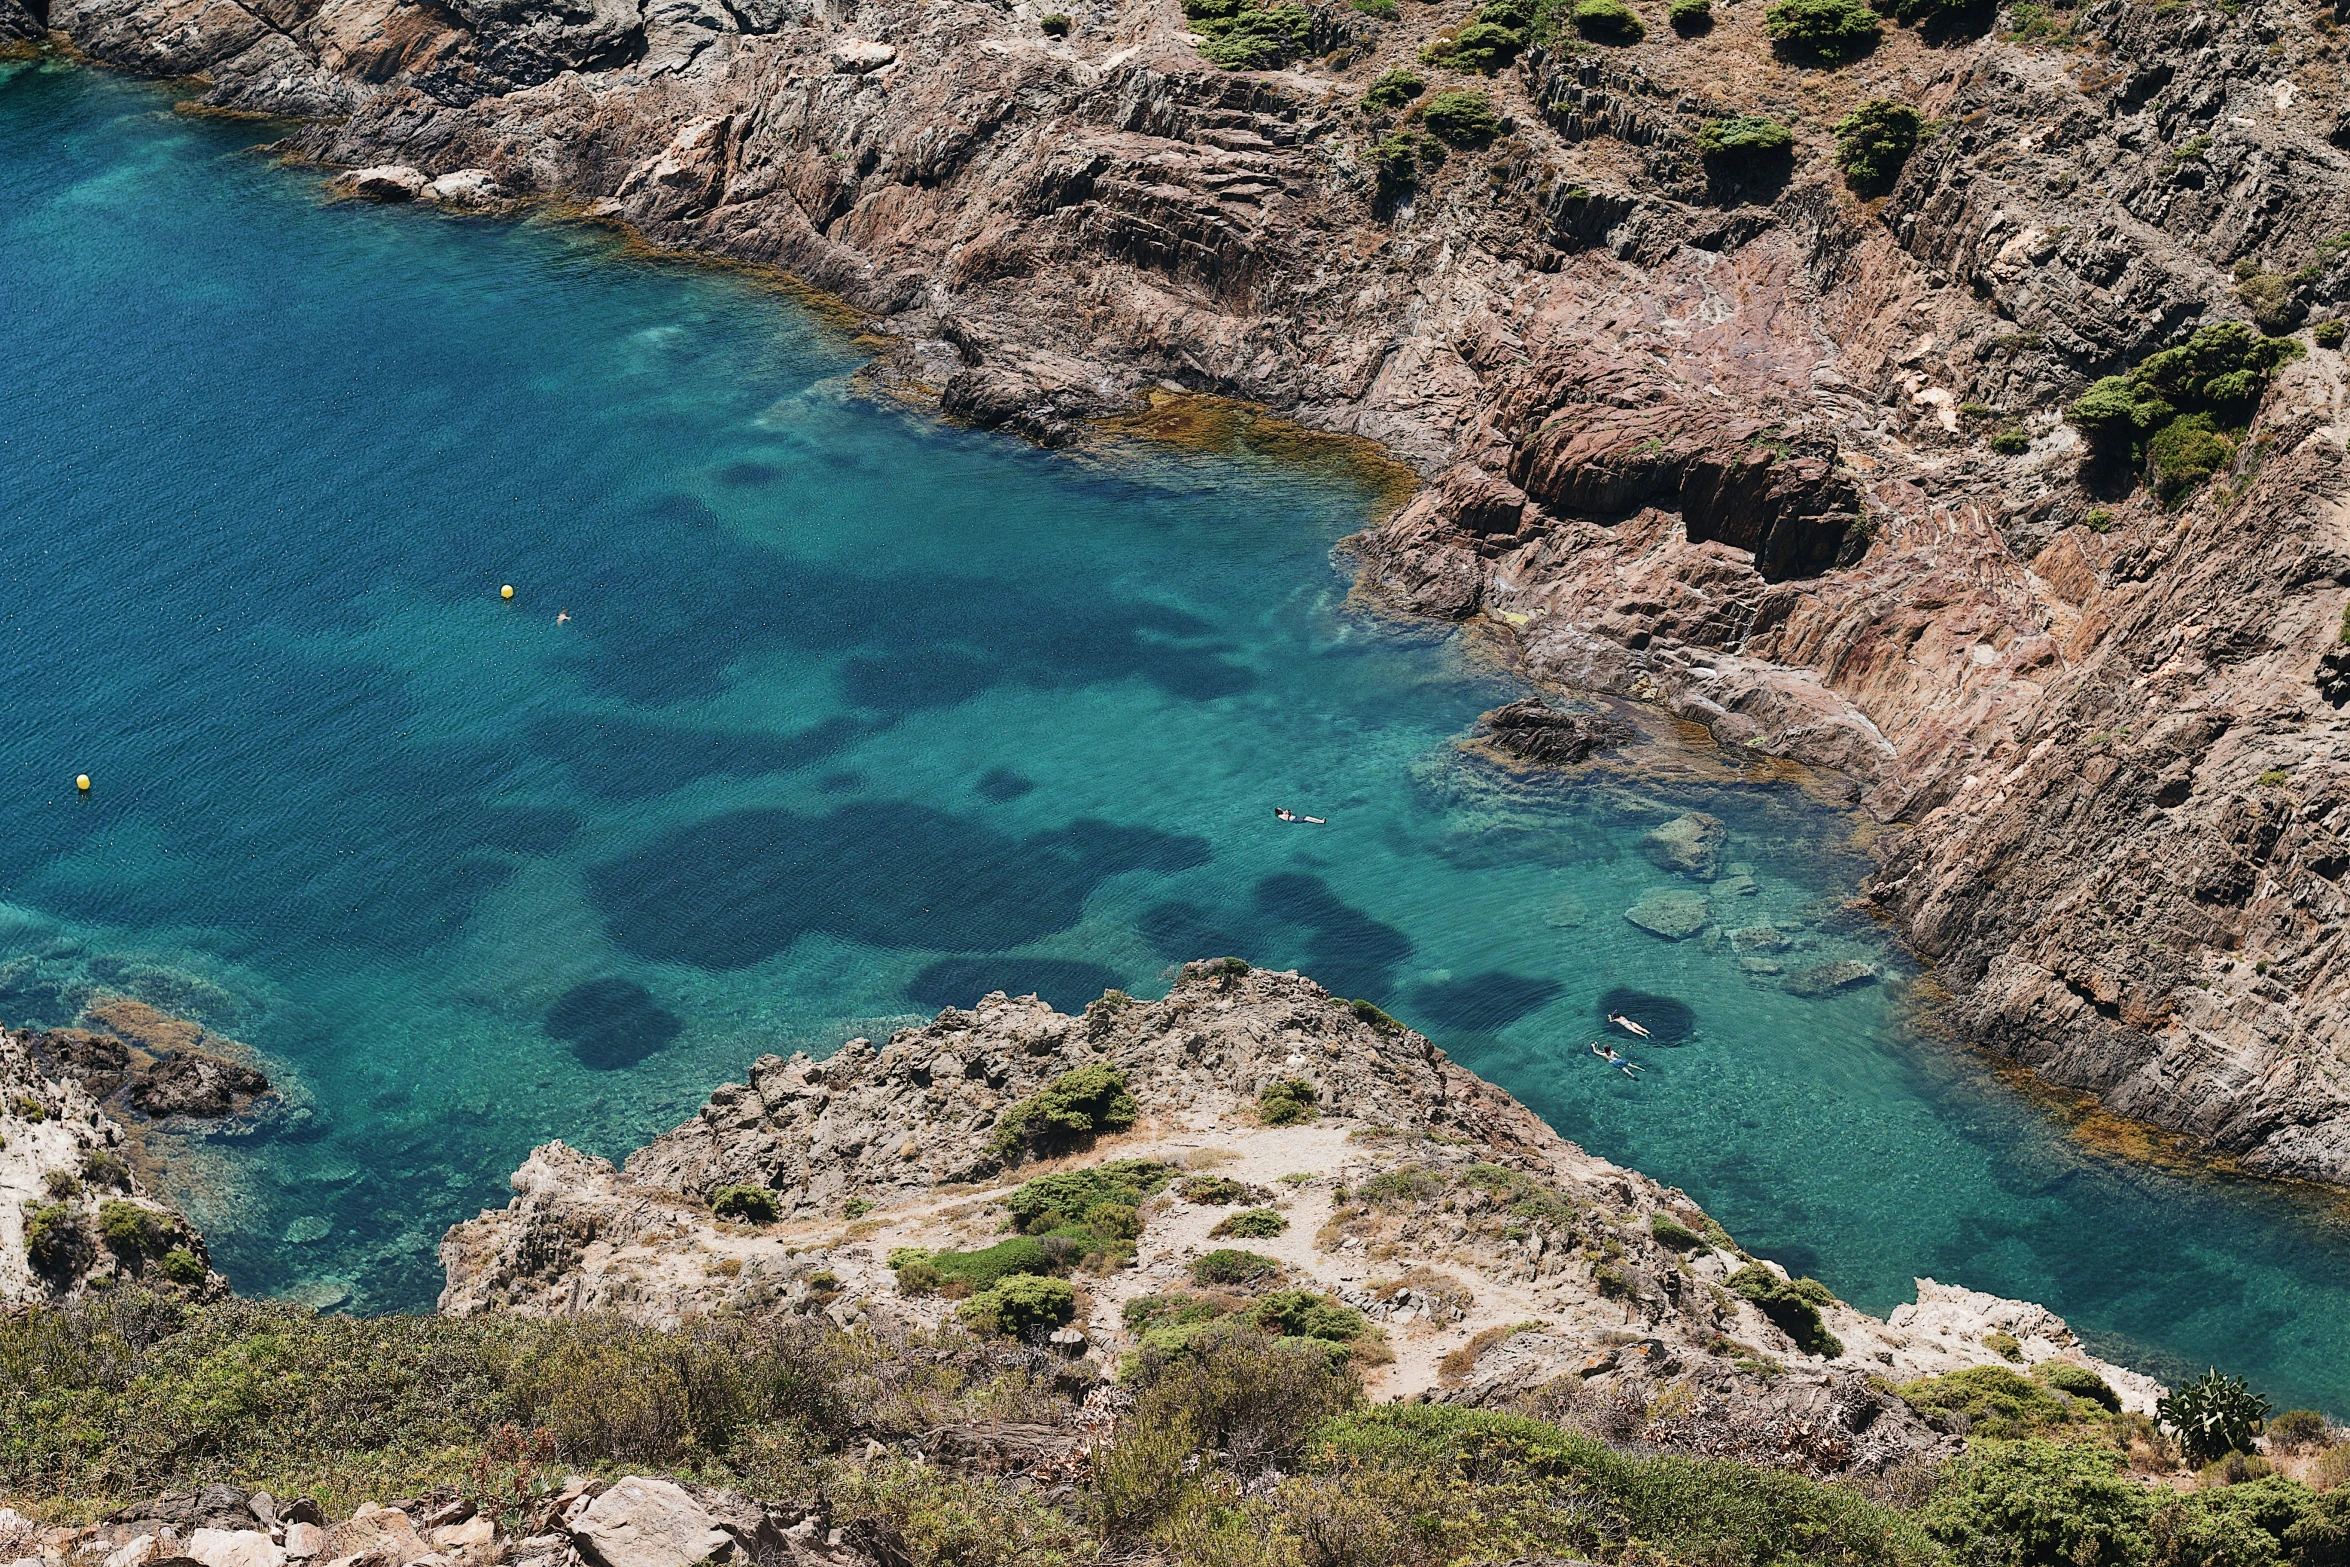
[1480, 1003]
[1668, 1022]
[1002, 783]
[611, 1023]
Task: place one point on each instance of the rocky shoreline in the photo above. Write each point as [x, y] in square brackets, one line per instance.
[1723, 444]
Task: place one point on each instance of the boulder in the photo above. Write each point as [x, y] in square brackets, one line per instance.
[1670, 913]
[303, 1541]
[857, 56]
[466, 188]
[1690, 843]
[384, 1533]
[235, 1548]
[197, 1083]
[1757, 938]
[1534, 731]
[385, 182]
[1823, 979]
[649, 1523]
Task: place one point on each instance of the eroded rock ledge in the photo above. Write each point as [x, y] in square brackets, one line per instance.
[1493, 1257]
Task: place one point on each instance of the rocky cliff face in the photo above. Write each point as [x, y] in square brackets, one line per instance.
[1491, 1260]
[1714, 436]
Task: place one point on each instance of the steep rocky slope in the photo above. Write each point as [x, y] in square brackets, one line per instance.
[1709, 435]
[1488, 1259]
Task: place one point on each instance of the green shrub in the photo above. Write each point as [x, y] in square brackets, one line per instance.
[1376, 1018]
[1381, 10]
[1998, 1404]
[750, 1204]
[1607, 22]
[1690, 17]
[1020, 1306]
[101, 1168]
[1230, 1266]
[53, 1239]
[1463, 1484]
[1826, 30]
[924, 1515]
[2079, 1381]
[2037, 1502]
[2270, 299]
[1403, 1186]
[2186, 452]
[1874, 141]
[29, 1108]
[2011, 441]
[1054, 26]
[1247, 1397]
[61, 1184]
[133, 1230]
[183, 1266]
[1217, 1190]
[980, 1270]
[1793, 1306]
[1263, 38]
[1395, 163]
[2212, 1416]
[1744, 138]
[1461, 117]
[1309, 1314]
[1392, 89]
[1289, 1101]
[2329, 334]
[1065, 1112]
[1052, 1202]
[1671, 1233]
[1250, 1224]
[2097, 519]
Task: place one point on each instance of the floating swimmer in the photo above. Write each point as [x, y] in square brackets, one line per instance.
[1628, 1070]
[561, 616]
[1604, 1053]
[1284, 813]
[1626, 1024]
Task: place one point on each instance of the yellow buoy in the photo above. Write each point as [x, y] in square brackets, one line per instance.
[507, 591]
[81, 781]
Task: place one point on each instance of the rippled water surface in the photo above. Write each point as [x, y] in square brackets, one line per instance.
[854, 716]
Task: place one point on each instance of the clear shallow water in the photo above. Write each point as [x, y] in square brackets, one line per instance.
[856, 716]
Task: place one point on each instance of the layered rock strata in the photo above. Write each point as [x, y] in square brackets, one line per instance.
[1708, 436]
[1493, 1257]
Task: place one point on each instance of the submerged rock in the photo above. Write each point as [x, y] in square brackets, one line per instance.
[1671, 913]
[1690, 843]
[1823, 979]
[1534, 731]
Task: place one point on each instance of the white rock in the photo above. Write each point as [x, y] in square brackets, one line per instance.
[649, 1523]
[135, 1552]
[860, 55]
[235, 1548]
[303, 1541]
[466, 188]
[477, 1530]
[385, 182]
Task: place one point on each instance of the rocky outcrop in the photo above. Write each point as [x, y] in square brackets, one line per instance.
[1490, 1258]
[1532, 730]
[154, 1063]
[75, 1215]
[1699, 436]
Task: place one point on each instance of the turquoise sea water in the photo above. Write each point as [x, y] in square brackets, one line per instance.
[855, 715]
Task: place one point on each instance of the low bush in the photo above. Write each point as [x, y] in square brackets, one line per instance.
[2080, 1382]
[1461, 117]
[2270, 299]
[1874, 141]
[1690, 17]
[1219, 1190]
[1381, 10]
[1436, 1482]
[1793, 1306]
[923, 1515]
[1246, 1396]
[101, 1168]
[1368, 1012]
[1054, 26]
[1066, 1112]
[2013, 441]
[1258, 38]
[1291, 1100]
[1391, 89]
[1402, 1187]
[53, 1240]
[2215, 378]
[1231, 1266]
[1020, 1306]
[1829, 31]
[1395, 164]
[1250, 1224]
[1103, 1199]
[2299, 1428]
[750, 1204]
[1998, 1404]
[183, 1266]
[1673, 1234]
[2212, 1416]
[1608, 22]
[926, 1272]
[133, 1230]
[1309, 1314]
[1746, 140]
[2329, 334]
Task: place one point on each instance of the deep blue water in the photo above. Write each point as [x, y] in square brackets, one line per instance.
[856, 715]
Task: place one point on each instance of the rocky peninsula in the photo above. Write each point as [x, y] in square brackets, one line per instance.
[1720, 409]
